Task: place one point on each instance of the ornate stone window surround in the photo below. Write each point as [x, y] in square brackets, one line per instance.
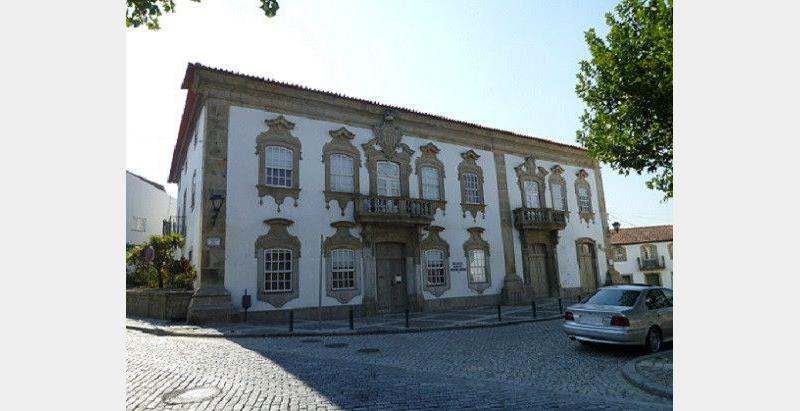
[341, 143]
[277, 237]
[342, 239]
[428, 158]
[619, 253]
[527, 171]
[475, 242]
[278, 134]
[386, 146]
[469, 165]
[581, 182]
[434, 242]
[557, 179]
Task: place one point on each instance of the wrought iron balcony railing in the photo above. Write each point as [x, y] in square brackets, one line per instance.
[175, 224]
[539, 219]
[394, 210]
[651, 264]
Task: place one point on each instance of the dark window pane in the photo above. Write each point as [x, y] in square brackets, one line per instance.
[609, 296]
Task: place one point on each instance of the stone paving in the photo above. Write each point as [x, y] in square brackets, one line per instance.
[652, 373]
[386, 323]
[524, 366]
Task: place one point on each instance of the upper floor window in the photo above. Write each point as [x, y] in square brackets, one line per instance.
[277, 270]
[470, 174]
[532, 194]
[341, 173]
[194, 187]
[559, 196]
[584, 200]
[620, 254]
[279, 166]
[584, 194]
[472, 192]
[430, 183]
[388, 179]
[343, 269]
[649, 252]
[434, 267]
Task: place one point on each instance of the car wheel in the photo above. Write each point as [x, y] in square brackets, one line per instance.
[653, 341]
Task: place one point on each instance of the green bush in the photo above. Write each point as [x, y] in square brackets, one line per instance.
[164, 270]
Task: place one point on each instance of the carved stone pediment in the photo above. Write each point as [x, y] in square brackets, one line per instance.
[386, 146]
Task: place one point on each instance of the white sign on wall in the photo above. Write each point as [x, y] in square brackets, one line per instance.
[457, 266]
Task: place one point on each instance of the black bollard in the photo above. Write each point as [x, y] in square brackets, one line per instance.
[499, 314]
[560, 307]
[351, 318]
[406, 317]
[533, 309]
[291, 321]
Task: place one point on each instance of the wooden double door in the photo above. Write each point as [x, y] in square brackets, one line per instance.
[391, 278]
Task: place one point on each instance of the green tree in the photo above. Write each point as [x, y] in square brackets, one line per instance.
[147, 12]
[627, 87]
[164, 270]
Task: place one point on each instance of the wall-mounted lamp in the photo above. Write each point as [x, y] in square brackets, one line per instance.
[616, 226]
[216, 205]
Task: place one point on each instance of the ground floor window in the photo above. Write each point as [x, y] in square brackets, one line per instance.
[627, 279]
[277, 270]
[652, 279]
[343, 269]
[434, 265]
[477, 266]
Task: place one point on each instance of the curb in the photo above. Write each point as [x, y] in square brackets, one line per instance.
[633, 377]
[167, 333]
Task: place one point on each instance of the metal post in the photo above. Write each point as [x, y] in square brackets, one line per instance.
[406, 317]
[291, 321]
[499, 314]
[351, 318]
[533, 308]
[560, 307]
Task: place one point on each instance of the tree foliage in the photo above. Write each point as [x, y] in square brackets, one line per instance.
[164, 270]
[627, 87]
[148, 12]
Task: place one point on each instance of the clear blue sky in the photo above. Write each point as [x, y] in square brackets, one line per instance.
[504, 64]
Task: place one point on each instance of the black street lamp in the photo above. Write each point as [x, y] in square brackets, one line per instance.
[216, 205]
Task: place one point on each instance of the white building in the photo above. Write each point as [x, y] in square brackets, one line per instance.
[643, 254]
[147, 205]
[306, 198]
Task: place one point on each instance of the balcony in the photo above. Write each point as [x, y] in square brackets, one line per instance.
[398, 210]
[651, 264]
[175, 224]
[539, 219]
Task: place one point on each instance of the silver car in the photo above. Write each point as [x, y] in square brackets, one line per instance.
[631, 314]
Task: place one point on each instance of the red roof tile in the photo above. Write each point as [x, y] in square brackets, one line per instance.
[638, 235]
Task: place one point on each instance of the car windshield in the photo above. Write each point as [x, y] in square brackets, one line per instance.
[613, 296]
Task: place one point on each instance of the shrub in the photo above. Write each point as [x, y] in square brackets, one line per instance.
[164, 269]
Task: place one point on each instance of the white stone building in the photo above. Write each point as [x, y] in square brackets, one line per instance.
[306, 198]
[147, 205]
[643, 254]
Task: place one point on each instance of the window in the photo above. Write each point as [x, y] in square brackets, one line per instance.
[434, 266]
[627, 279]
[341, 173]
[343, 269]
[532, 194]
[194, 187]
[614, 296]
[430, 183]
[477, 266]
[656, 299]
[649, 252]
[277, 270]
[194, 140]
[139, 224]
[669, 248]
[279, 167]
[388, 179]
[559, 199]
[652, 279]
[620, 254]
[668, 294]
[472, 194]
[584, 201]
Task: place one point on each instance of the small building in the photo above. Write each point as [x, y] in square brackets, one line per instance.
[643, 254]
[305, 198]
[147, 205]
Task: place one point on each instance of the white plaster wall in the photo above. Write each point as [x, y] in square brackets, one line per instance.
[144, 200]
[575, 229]
[245, 215]
[631, 267]
[194, 162]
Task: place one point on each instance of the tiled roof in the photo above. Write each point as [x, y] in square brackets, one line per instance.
[638, 235]
[154, 184]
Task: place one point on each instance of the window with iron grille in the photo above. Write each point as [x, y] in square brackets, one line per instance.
[341, 173]
[388, 179]
[279, 166]
[430, 183]
[472, 192]
[652, 279]
[559, 199]
[343, 269]
[477, 266]
[584, 200]
[532, 194]
[277, 270]
[434, 264]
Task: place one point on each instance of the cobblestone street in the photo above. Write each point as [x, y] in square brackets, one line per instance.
[525, 366]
